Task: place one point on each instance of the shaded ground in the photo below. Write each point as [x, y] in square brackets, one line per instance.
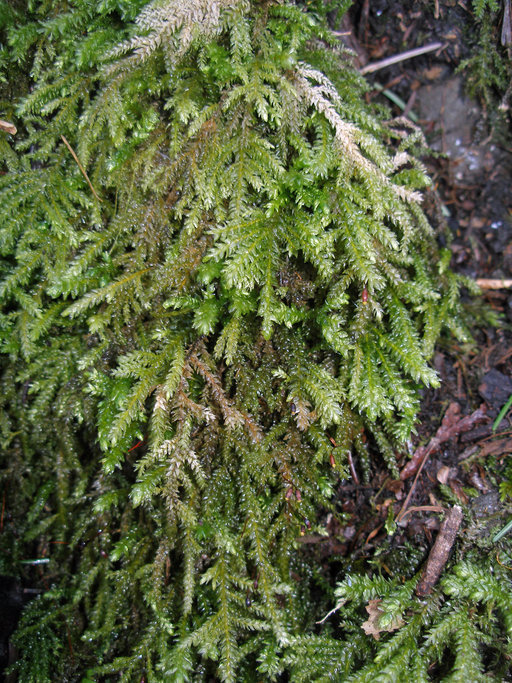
[466, 459]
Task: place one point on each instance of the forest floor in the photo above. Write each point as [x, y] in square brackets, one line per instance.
[458, 457]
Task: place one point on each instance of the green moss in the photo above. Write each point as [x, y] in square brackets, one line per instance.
[252, 278]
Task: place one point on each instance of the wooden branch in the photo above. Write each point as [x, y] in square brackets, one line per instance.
[440, 551]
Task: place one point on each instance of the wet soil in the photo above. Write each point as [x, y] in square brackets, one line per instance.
[471, 167]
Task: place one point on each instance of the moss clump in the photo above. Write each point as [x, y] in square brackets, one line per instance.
[237, 276]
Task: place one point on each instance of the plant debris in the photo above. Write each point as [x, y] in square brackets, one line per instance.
[451, 426]
[440, 552]
[372, 627]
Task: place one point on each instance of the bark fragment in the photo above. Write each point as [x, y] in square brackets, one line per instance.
[440, 551]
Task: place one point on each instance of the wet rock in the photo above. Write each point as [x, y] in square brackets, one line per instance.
[486, 505]
[456, 118]
[495, 388]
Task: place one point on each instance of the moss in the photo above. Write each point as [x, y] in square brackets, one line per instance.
[201, 319]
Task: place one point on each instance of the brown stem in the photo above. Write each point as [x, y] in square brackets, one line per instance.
[82, 169]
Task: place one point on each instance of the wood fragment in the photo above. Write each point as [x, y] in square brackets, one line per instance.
[395, 59]
[493, 283]
[451, 426]
[82, 169]
[8, 127]
[440, 552]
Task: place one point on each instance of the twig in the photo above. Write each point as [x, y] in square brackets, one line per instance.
[497, 560]
[440, 552]
[370, 68]
[499, 435]
[451, 426]
[82, 169]
[423, 508]
[335, 609]
[352, 468]
[403, 509]
[486, 283]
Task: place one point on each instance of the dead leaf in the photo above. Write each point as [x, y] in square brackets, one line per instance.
[477, 222]
[302, 413]
[495, 388]
[443, 474]
[433, 499]
[371, 627]
[396, 487]
[433, 73]
[458, 490]
[8, 127]
[373, 533]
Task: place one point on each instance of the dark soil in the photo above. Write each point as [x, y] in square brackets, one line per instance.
[472, 205]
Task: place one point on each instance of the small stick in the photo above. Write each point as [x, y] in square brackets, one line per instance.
[401, 514]
[139, 443]
[334, 609]
[423, 508]
[82, 170]
[497, 560]
[8, 127]
[486, 283]
[440, 552]
[352, 468]
[370, 68]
